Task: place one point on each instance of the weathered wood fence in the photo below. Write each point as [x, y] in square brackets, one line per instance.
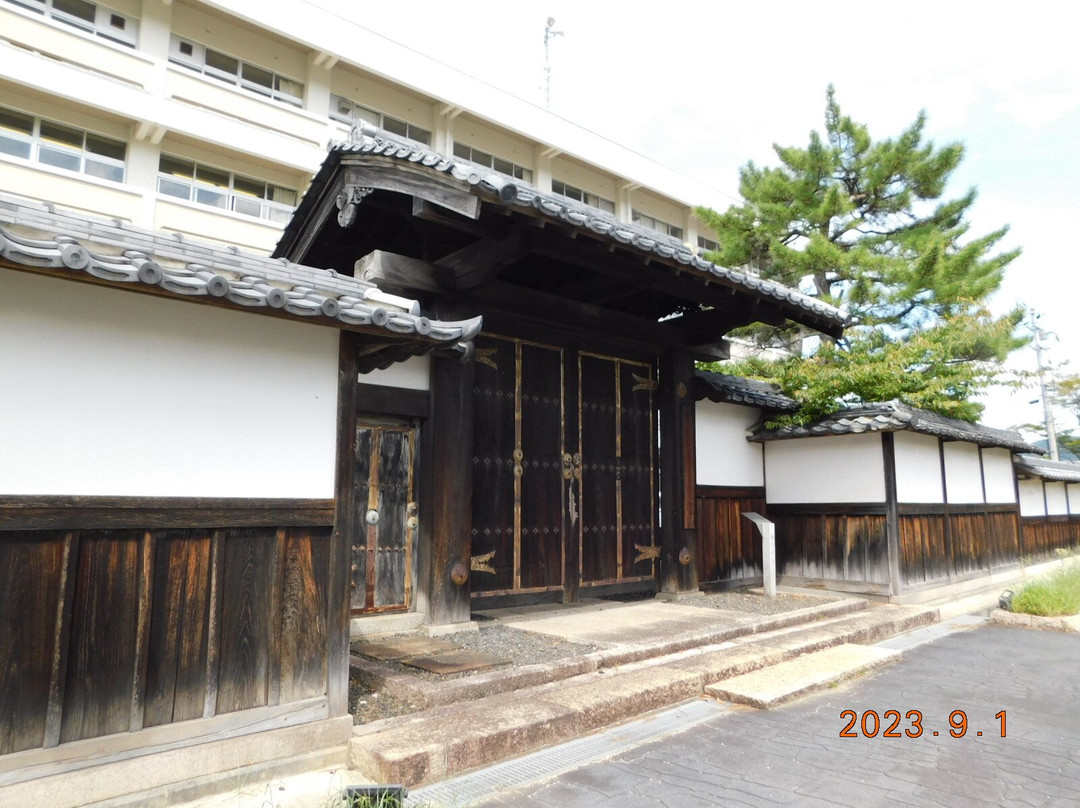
[121, 615]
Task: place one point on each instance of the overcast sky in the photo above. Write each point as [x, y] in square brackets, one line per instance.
[703, 87]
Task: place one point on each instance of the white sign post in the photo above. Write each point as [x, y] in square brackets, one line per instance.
[768, 551]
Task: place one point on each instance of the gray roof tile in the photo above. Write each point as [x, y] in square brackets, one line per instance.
[722, 387]
[366, 139]
[893, 416]
[1042, 469]
[36, 235]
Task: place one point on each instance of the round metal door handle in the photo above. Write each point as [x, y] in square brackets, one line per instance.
[372, 517]
[518, 455]
[411, 523]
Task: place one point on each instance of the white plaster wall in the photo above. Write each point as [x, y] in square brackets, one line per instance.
[963, 475]
[1057, 502]
[724, 455]
[1073, 491]
[1031, 498]
[999, 475]
[412, 374]
[918, 468]
[841, 468]
[113, 393]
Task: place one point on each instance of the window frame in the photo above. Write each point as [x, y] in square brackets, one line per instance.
[196, 61]
[585, 197]
[103, 24]
[197, 184]
[650, 222]
[397, 126]
[91, 158]
[472, 154]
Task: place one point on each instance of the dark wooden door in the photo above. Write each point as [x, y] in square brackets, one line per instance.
[616, 447]
[543, 475]
[518, 514]
[386, 517]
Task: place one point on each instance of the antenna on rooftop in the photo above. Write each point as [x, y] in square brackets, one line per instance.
[549, 34]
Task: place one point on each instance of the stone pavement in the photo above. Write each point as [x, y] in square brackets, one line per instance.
[794, 755]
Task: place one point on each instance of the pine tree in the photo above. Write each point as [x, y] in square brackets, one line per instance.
[861, 224]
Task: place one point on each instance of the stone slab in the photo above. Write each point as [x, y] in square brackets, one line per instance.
[456, 661]
[403, 647]
[777, 684]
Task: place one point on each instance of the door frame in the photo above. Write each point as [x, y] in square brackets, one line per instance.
[370, 562]
[391, 406]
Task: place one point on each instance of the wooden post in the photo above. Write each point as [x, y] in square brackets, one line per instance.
[337, 622]
[446, 535]
[678, 474]
[892, 512]
[950, 551]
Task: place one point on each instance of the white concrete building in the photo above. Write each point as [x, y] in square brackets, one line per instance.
[209, 119]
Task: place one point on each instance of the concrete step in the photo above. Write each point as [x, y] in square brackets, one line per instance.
[490, 683]
[797, 677]
[453, 738]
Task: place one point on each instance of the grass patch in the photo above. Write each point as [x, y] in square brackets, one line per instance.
[1057, 595]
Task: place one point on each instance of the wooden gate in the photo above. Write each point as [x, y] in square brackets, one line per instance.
[386, 515]
[616, 437]
[563, 451]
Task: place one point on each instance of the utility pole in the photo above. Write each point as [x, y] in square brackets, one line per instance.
[549, 34]
[1038, 343]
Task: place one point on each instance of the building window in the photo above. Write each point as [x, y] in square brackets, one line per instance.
[660, 226]
[346, 111]
[467, 152]
[61, 146]
[195, 182]
[707, 244]
[235, 71]
[89, 17]
[570, 192]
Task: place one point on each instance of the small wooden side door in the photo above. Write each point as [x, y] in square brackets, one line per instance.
[386, 517]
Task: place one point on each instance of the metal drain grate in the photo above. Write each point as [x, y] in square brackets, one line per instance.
[487, 783]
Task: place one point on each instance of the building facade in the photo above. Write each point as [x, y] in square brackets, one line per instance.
[210, 119]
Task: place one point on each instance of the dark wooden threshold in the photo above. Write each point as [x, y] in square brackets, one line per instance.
[729, 491]
[75, 512]
[732, 584]
[827, 509]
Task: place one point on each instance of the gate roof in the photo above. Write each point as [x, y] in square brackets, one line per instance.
[444, 226]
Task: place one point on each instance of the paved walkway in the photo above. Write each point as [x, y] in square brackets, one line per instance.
[794, 755]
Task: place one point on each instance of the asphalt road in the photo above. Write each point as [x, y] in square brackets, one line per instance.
[1022, 684]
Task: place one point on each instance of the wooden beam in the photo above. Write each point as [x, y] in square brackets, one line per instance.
[892, 513]
[400, 274]
[509, 297]
[678, 479]
[341, 540]
[446, 590]
[481, 262]
[418, 182]
[88, 512]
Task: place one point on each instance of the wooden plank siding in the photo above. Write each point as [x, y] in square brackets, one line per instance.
[728, 546]
[839, 543]
[108, 630]
[1042, 535]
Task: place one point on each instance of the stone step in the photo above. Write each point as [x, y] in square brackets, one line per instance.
[489, 683]
[777, 684]
[453, 738]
